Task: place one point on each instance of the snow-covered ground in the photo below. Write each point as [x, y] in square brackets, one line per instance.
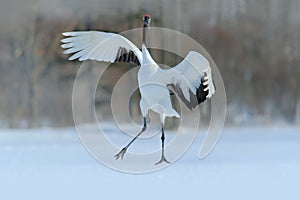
[247, 163]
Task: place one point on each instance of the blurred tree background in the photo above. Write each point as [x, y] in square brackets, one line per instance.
[255, 44]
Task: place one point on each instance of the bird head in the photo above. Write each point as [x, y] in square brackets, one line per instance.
[146, 20]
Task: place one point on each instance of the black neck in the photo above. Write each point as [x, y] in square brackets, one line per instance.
[145, 29]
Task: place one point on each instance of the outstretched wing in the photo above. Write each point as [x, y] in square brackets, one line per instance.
[191, 79]
[100, 46]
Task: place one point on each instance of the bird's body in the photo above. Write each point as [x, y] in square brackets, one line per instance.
[191, 79]
[154, 92]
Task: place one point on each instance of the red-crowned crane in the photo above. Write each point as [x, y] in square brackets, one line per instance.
[191, 79]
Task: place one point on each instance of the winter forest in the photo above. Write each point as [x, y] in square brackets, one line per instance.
[255, 45]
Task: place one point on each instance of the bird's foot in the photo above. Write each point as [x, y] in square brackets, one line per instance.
[163, 159]
[121, 153]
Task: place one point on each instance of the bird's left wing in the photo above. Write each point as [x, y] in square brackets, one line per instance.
[100, 46]
[191, 79]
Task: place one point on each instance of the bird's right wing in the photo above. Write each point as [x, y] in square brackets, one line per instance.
[191, 79]
[100, 46]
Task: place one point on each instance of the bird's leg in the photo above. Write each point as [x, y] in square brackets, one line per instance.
[123, 151]
[163, 158]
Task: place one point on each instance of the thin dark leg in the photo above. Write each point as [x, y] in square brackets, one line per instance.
[123, 151]
[163, 158]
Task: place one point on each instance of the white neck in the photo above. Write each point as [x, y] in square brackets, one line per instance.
[147, 59]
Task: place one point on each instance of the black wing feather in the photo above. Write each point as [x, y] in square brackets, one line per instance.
[125, 55]
[195, 100]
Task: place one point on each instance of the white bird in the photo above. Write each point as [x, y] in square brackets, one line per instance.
[191, 79]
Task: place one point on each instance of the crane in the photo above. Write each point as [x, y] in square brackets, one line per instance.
[191, 79]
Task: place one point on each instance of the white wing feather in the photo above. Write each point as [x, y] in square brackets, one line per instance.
[95, 45]
[187, 75]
